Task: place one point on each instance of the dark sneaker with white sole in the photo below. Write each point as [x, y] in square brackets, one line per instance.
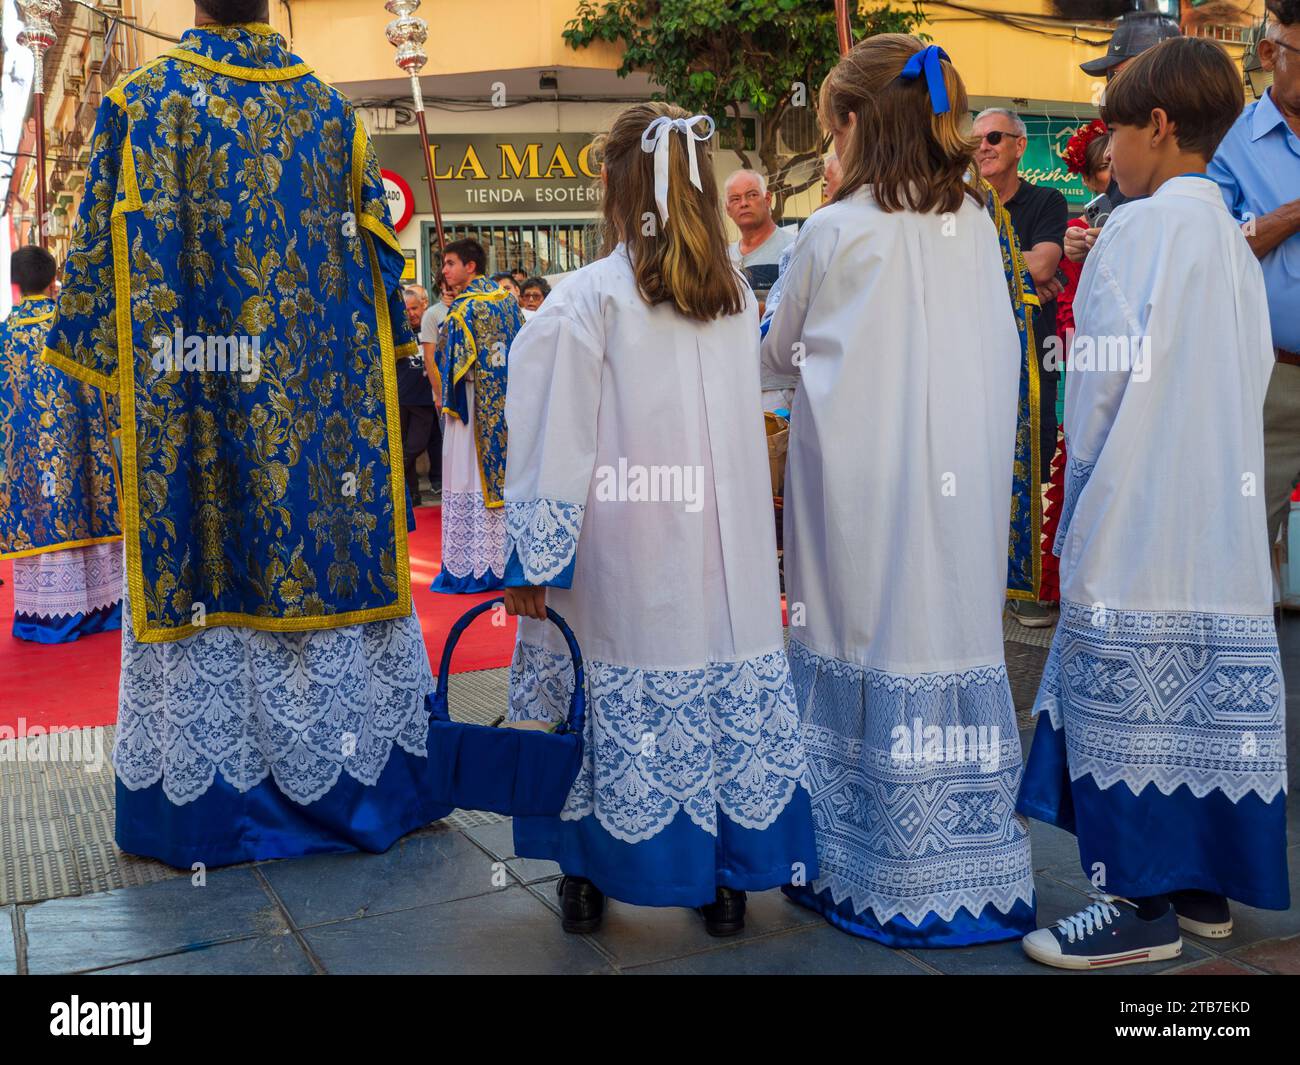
[1105, 934]
[1202, 913]
[1033, 615]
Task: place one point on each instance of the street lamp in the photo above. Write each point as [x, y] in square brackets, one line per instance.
[38, 36]
[407, 34]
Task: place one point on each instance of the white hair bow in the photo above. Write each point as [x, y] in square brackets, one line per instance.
[655, 139]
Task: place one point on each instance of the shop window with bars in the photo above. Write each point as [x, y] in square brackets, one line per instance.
[539, 248]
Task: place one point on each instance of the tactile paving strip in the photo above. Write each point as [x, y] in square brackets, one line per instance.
[56, 817]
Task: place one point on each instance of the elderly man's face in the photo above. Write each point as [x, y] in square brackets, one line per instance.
[1004, 156]
[1280, 53]
[747, 206]
[415, 308]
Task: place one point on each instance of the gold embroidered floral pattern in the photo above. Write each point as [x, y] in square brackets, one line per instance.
[235, 280]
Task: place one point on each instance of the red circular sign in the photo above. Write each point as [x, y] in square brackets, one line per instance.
[401, 200]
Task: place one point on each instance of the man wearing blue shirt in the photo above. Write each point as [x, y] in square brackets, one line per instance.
[1258, 169]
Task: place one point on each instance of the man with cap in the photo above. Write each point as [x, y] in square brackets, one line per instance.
[1134, 34]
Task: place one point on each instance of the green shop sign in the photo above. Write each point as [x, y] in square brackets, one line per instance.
[1043, 163]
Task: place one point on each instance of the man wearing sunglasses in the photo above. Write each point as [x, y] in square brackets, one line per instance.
[1257, 167]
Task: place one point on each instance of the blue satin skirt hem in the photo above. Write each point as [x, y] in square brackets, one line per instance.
[66, 628]
[450, 585]
[964, 930]
[1151, 844]
[682, 865]
[224, 826]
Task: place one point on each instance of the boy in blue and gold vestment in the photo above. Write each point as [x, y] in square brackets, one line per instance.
[234, 278]
[58, 478]
[469, 380]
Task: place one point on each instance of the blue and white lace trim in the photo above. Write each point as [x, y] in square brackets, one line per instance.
[473, 536]
[723, 738]
[1168, 698]
[1076, 477]
[543, 535]
[301, 707]
[914, 781]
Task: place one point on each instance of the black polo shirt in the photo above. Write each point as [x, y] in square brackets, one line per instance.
[1038, 215]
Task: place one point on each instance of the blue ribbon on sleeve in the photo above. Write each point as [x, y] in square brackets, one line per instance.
[928, 61]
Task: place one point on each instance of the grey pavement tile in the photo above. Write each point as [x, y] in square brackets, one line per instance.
[639, 935]
[1000, 959]
[130, 924]
[8, 949]
[1053, 848]
[498, 839]
[808, 950]
[417, 870]
[279, 955]
[532, 870]
[507, 932]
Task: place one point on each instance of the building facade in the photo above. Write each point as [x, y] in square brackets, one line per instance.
[512, 109]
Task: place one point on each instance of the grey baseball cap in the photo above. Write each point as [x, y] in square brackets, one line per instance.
[1136, 32]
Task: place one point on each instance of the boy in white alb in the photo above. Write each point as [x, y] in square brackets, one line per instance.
[1160, 738]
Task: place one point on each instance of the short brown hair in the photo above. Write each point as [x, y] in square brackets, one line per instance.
[1189, 78]
[911, 158]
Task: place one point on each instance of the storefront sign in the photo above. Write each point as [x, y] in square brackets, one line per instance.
[506, 171]
[1043, 163]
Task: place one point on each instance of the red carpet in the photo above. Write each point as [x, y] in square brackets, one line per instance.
[75, 684]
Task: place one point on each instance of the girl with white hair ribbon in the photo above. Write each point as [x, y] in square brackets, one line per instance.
[638, 505]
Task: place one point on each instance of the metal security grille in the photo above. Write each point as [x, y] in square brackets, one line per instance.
[540, 248]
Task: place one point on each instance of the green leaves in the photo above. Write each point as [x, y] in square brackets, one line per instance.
[712, 56]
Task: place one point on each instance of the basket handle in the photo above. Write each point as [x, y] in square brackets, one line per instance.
[577, 702]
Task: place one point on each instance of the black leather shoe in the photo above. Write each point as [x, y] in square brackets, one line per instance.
[582, 904]
[726, 915]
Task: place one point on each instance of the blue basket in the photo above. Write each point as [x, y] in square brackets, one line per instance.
[502, 770]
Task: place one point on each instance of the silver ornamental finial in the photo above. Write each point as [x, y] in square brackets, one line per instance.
[407, 34]
[38, 31]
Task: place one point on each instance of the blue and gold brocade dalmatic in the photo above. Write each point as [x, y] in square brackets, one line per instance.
[480, 327]
[1024, 551]
[235, 279]
[58, 476]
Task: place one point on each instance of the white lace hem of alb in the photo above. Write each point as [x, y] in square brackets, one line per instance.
[1168, 698]
[473, 536]
[303, 708]
[906, 828]
[720, 740]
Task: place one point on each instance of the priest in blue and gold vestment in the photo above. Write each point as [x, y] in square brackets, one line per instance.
[58, 477]
[469, 380]
[234, 278]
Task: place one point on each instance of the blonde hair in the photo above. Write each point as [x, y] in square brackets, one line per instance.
[911, 158]
[683, 261]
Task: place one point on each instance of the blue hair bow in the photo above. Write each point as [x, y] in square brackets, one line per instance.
[927, 60]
